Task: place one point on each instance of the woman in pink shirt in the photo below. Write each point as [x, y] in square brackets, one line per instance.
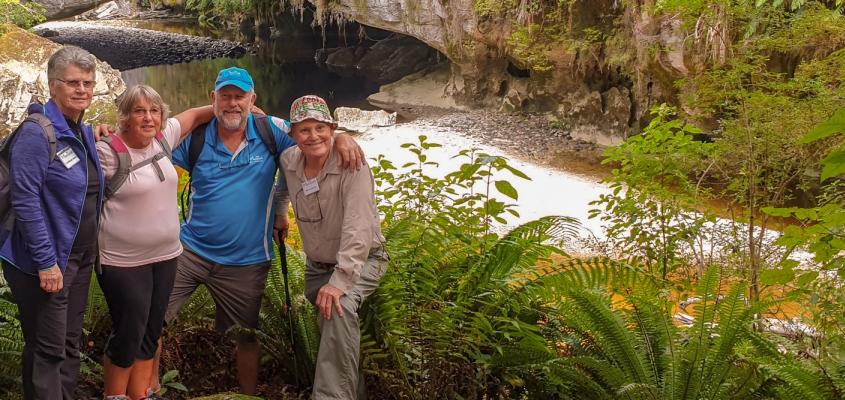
[139, 234]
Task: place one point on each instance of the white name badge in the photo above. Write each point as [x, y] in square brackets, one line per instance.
[67, 157]
[310, 186]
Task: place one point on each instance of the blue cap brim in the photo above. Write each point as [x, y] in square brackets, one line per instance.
[240, 85]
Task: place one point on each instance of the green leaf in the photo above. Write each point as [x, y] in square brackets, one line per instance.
[517, 172]
[790, 264]
[777, 276]
[834, 164]
[169, 376]
[779, 212]
[505, 188]
[806, 278]
[178, 386]
[833, 126]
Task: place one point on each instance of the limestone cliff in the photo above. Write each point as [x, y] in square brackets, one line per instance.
[23, 73]
[609, 63]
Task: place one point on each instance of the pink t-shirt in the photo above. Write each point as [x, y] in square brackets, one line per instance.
[140, 223]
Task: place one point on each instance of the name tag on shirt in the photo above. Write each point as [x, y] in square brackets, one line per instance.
[67, 157]
[310, 186]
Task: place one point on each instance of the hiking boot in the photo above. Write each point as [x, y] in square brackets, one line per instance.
[118, 397]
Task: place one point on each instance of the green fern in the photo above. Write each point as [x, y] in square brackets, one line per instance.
[636, 352]
[275, 328]
[11, 342]
[788, 377]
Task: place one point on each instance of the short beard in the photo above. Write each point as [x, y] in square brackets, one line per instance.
[231, 124]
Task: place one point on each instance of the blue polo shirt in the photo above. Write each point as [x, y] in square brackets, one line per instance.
[231, 212]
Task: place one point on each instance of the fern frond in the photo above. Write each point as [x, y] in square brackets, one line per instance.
[592, 273]
[638, 391]
[11, 342]
[594, 317]
[522, 247]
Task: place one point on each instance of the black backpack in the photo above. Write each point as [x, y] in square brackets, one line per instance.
[7, 215]
[265, 132]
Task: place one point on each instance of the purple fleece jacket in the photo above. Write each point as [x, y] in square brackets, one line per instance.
[47, 197]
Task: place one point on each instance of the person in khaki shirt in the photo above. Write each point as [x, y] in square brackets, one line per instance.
[336, 214]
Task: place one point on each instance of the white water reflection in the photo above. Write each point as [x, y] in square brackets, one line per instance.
[549, 192]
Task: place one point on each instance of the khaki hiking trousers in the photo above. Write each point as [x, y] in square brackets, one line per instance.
[337, 375]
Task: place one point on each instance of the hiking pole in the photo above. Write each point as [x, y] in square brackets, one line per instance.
[284, 263]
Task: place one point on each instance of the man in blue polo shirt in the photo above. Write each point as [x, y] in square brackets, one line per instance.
[227, 234]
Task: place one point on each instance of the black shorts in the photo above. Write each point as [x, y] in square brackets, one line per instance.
[137, 299]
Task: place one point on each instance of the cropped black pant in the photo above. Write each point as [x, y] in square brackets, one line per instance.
[137, 299]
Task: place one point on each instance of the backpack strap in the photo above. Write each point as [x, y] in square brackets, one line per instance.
[165, 147]
[124, 162]
[47, 127]
[196, 145]
[124, 165]
[7, 214]
[265, 132]
[194, 150]
[165, 152]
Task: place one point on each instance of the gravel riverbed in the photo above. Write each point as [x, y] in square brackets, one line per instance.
[529, 137]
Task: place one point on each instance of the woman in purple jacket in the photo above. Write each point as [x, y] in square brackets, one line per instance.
[50, 252]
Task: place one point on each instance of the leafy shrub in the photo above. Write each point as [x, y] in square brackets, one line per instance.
[649, 210]
[24, 14]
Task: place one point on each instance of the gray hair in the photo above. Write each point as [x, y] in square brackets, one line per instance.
[66, 56]
[126, 102]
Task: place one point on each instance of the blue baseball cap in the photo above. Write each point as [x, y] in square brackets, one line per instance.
[234, 76]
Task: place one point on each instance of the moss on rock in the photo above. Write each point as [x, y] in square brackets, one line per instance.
[23, 75]
[21, 45]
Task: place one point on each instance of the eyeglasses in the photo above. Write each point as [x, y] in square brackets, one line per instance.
[140, 112]
[74, 83]
[303, 208]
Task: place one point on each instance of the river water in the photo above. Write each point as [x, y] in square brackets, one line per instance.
[549, 192]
